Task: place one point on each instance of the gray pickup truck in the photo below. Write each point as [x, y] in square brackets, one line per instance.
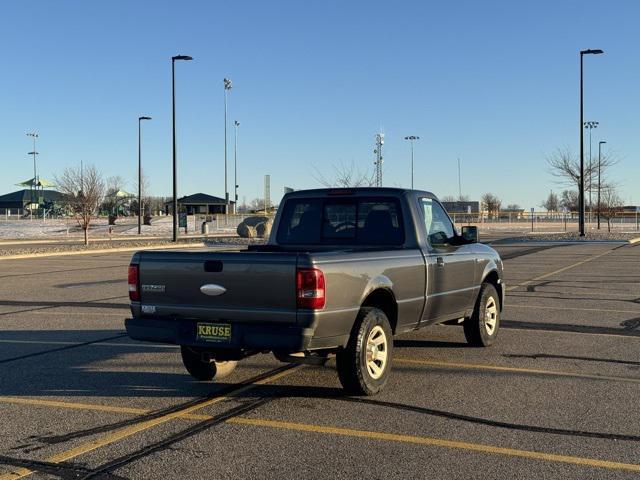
[343, 271]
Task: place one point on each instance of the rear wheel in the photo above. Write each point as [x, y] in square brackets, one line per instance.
[481, 329]
[363, 366]
[202, 368]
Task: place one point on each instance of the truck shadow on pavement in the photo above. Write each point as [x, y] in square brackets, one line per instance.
[106, 363]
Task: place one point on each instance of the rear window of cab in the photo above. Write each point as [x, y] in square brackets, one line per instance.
[354, 221]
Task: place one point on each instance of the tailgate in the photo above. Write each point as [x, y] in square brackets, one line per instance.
[227, 286]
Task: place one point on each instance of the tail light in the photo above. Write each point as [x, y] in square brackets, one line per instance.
[310, 288]
[134, 289]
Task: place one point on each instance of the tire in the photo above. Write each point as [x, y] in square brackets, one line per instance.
[360, 372]
[205, 370]
[481, 329]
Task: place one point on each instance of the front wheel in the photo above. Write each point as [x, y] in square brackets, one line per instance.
[202, 369]
[481, 329]
[363, 366]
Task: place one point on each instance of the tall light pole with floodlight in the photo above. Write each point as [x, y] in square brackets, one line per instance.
[140, 119]
[34, 184]
[412, 138]
[175, 163]
[590, 126]
[581, 186]
[236, 124]
[599, 179]
[227, 87]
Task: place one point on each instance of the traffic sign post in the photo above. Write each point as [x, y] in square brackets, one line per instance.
[532, 219]
[182, 221]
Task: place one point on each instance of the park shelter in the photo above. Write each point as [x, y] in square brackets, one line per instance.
[18, 202]
[199, 203]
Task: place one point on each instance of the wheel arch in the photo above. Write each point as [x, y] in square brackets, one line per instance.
[493, 278]
[384, 299]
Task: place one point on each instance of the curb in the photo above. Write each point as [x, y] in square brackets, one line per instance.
[128, 238]
[100, 250]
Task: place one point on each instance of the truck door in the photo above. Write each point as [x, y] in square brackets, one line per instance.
[450, 266]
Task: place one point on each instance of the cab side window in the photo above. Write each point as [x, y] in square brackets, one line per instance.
[437, 224]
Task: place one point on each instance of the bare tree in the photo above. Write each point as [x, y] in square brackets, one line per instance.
[610, 204]
[513, 207]
[552, 203]
[82, 192]
[448, 198]
[146, 207]
[569, 200]
[257, 205]
[491, 203]
[565, 166]
[113, 186]
[344, 175]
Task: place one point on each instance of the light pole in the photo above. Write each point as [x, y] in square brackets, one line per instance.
[34, 184]
[227, 87]
[590, 126]
[236, 124]
[140, 119]
[412, 138]
[581, 186]
[175, 165]
[599, 182]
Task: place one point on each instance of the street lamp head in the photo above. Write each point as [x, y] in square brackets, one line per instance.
[227, 84]
[144, 118]
[181, 57]
[34, 135]
[236, 123]
[590, 125]
[591, 52]
[412, 137]
[601, 142]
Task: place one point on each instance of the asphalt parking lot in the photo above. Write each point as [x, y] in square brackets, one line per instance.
[556, 397]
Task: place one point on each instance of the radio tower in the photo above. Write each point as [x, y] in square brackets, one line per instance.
[379, 161]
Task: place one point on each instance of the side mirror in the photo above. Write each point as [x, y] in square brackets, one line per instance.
[470, 233]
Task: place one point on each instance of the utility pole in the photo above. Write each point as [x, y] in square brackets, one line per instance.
[175, 161]
[459, 183]
[599, 179]
[227, 87]
[379, 160]
[412, 138]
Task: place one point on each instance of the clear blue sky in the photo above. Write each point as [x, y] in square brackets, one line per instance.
[494, 83]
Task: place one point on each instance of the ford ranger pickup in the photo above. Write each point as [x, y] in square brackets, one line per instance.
[342, 273]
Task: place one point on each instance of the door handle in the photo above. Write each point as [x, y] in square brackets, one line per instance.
[440, 261]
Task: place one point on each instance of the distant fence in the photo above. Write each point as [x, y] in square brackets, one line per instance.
[628, 220]
[225, 223]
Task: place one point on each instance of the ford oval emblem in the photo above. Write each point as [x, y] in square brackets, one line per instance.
[212, 290]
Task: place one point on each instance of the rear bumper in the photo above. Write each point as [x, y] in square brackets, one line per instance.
[244, 336]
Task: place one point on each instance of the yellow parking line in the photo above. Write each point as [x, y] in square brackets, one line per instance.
[560, 270]
[100, 251]
[49, 312]
[139, 427]
[99, 344]
[599, 310]
[437, 442]
[497, 368]
[95, 407]
[72, 405]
